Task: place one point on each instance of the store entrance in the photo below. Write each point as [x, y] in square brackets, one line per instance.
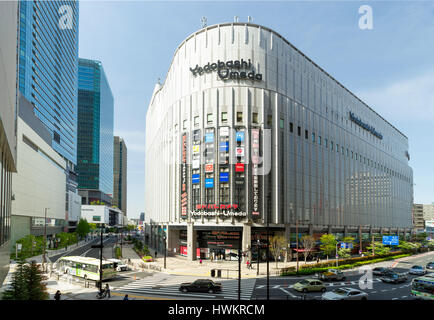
[217, 254]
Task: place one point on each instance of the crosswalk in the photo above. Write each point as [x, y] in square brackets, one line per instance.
[168, 285]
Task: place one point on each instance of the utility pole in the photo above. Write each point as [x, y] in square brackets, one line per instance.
[100, 246]
[44, 259]
[268, 255]
[296, 239]
[164, 238]
[257, 269]
[239, 265]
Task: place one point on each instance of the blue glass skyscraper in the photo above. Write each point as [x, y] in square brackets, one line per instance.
[95, 133]
[48, 60]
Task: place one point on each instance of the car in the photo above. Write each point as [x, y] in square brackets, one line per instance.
[394, 277]
[332, 274]
[430, 266]
[201, 285]
[379, 271]
[307, 285]
[345, 294]
[418, 270]
[119, 265]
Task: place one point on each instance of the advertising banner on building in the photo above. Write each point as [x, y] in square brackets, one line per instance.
[184, 186]
[209, 183]
[255, 177]
[224, 176]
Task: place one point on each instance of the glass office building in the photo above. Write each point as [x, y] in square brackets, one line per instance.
[120, 174]
[247, 131]
[48, 58]
[95, 129]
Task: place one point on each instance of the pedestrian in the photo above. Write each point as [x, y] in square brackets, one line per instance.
[107, 290]
[212, 258]
[126, 297]
[57, 295]
[200, 261]
[248, 264]
[317, 259]
[155, 254]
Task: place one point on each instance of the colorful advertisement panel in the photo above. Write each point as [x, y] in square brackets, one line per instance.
[184, 191]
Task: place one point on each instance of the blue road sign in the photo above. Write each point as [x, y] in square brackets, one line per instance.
[391, 240]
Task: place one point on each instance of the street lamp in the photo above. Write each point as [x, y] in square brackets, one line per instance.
[164, 238]
[257, 269]
[44, 260]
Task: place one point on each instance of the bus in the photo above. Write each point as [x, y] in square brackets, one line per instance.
[423, 287]
[87, 268]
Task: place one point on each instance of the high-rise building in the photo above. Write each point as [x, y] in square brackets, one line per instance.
[48, 61]
[142, 216]
[247, 132]
[428, 212]
[8, 124]
[120, 174]
[47, 70]
[95, 133]
[418, 219]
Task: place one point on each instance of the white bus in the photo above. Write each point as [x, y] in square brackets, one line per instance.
[423, 287]
[87, 268]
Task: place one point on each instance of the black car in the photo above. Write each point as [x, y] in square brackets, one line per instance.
[430, 265]
[201, 285]
[379, 271]
[393, 277]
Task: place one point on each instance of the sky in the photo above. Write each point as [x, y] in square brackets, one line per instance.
[390, 67]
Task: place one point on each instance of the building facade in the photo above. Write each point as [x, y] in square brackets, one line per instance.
[108, 216]
[8, 124]
[120, 174]
[418, 218]
[428, 212]
[39, 183]
[95, 133]
[247, 131]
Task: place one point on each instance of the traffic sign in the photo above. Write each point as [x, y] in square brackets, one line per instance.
[391, 240]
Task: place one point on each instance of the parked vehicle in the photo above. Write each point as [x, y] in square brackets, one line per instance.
[309, 285]
[418, 270]
[332, 274]
[379, 271]
[394, 277]
[345, 294]
[201, 285]
[430, 266]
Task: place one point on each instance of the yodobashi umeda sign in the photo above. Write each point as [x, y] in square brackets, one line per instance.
[196, 214]
[225, 70]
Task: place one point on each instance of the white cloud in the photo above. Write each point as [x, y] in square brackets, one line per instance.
[410, 99]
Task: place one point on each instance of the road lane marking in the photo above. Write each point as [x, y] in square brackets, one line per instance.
[287, 292]
[276, 286]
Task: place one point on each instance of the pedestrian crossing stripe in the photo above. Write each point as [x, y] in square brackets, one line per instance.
[170, 286]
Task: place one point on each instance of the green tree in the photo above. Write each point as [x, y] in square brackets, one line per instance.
[277, 243]
[408, 246]
[379, 248]
[18, 289]
[83, 228]
[27, 283]
[328, 244]
[344, 253]
[131, 227]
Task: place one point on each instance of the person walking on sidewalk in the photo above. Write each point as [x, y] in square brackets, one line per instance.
[107, 290]
[248, 264]
[57, 295]
[126, 297]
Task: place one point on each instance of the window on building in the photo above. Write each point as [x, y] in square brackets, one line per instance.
[319, 140]
[209, 118]
[269, 120]
[306, 134]
[313, 137]
[291, 127]
[281, 123]
[299, 131]
[255, 117]
[239, 116]
[326, 143]
[224, 117]
[196, 121]
[184, 124]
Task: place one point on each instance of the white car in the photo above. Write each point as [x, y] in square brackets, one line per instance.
[119, 265]
[419, 270]
[345, 294]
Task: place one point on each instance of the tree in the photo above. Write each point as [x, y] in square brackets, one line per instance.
[344, 253]
[379, 248]
[83, 228]
[277, 243]
[27, 283]
[308, 243]
[18, 289]
[408, 246]
[328, 244]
